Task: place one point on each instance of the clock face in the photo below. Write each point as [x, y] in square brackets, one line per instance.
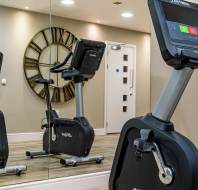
[48, 48]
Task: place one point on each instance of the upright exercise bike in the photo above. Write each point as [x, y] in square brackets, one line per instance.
[72, 136]
[150, 154]
[4, 149]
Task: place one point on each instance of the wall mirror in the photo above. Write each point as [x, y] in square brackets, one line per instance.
[106, 107]
[23, 42]
[47, 110]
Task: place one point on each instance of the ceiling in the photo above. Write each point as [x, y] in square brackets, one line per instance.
[93, 11]
[102, 11]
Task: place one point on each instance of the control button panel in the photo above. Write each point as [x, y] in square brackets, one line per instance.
[181, 32]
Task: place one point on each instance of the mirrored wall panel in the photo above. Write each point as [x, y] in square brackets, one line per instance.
[77, 95]
[72, 74]
[24, 46]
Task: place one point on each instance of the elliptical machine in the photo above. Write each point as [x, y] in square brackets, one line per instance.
[150, 154]
[4, 149]
[72, 136]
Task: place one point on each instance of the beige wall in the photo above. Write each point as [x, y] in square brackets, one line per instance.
[23, 109]
[185, 117]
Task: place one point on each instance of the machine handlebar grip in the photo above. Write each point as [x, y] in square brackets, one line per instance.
[44, 81]
[56, 67]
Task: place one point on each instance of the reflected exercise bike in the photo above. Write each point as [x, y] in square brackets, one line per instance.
[73, 137]
[4, 149]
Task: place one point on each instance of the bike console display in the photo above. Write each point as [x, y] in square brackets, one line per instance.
[176, 27]
[87, 57]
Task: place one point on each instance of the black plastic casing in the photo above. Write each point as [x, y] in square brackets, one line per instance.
[87, 57]
[79, 141]
[177, 55]
[4, 149]
[179, 153]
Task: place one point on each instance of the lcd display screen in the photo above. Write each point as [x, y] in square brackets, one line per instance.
[180, 14]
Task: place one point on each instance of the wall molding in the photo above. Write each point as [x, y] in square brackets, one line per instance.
[80, 182]
[37, 136]
[100, 131]
[23, 137]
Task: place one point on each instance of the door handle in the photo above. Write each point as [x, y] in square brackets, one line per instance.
[131, 78]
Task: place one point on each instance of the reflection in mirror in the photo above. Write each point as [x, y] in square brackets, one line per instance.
[98, 101]
[65, 99]
[88, 151]
[74, 137]
[23, 44]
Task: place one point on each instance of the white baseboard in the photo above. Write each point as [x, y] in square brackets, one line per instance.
[81, 182]
[23, 137]
[100, 131]
[38, 136]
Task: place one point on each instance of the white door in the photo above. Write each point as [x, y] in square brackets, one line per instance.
[120, 86]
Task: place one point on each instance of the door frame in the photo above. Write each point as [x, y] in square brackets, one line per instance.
[106, 79]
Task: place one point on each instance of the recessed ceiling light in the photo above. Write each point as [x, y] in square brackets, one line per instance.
[67, 2]
[127, 15]
[26, 7]
[117, 3]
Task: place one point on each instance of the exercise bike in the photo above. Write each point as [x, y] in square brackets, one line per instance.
[72, 136]
[150, 154]
[4, 149]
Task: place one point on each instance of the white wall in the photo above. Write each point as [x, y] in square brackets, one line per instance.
[185, 117]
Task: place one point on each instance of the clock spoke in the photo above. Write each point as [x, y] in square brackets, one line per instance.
[35, 47]
[57, 78]
[42, 93]
[45, 38]
[31, 63]
[32, 80]
[57, 56]
[70, 41]
[68, 91]
[56, 95]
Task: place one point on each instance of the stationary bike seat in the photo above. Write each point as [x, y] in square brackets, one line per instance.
[62, 121]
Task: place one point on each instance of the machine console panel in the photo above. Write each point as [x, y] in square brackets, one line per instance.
[176, 27]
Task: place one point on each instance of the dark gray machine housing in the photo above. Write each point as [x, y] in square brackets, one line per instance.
[168, 16]
[87, 57]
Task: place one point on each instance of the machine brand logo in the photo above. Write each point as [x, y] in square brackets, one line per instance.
[92, 55]
[67, 135]
[180, 2]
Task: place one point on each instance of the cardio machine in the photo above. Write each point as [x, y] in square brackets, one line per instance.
[150, 154]
[72, 136]
[4, 149]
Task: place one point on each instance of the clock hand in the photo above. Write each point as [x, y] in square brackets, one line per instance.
[48, 65]
[57, 62]
[57, 54]
[57, 80]
[45, 64]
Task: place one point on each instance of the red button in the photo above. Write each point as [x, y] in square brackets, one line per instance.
[193, 31]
